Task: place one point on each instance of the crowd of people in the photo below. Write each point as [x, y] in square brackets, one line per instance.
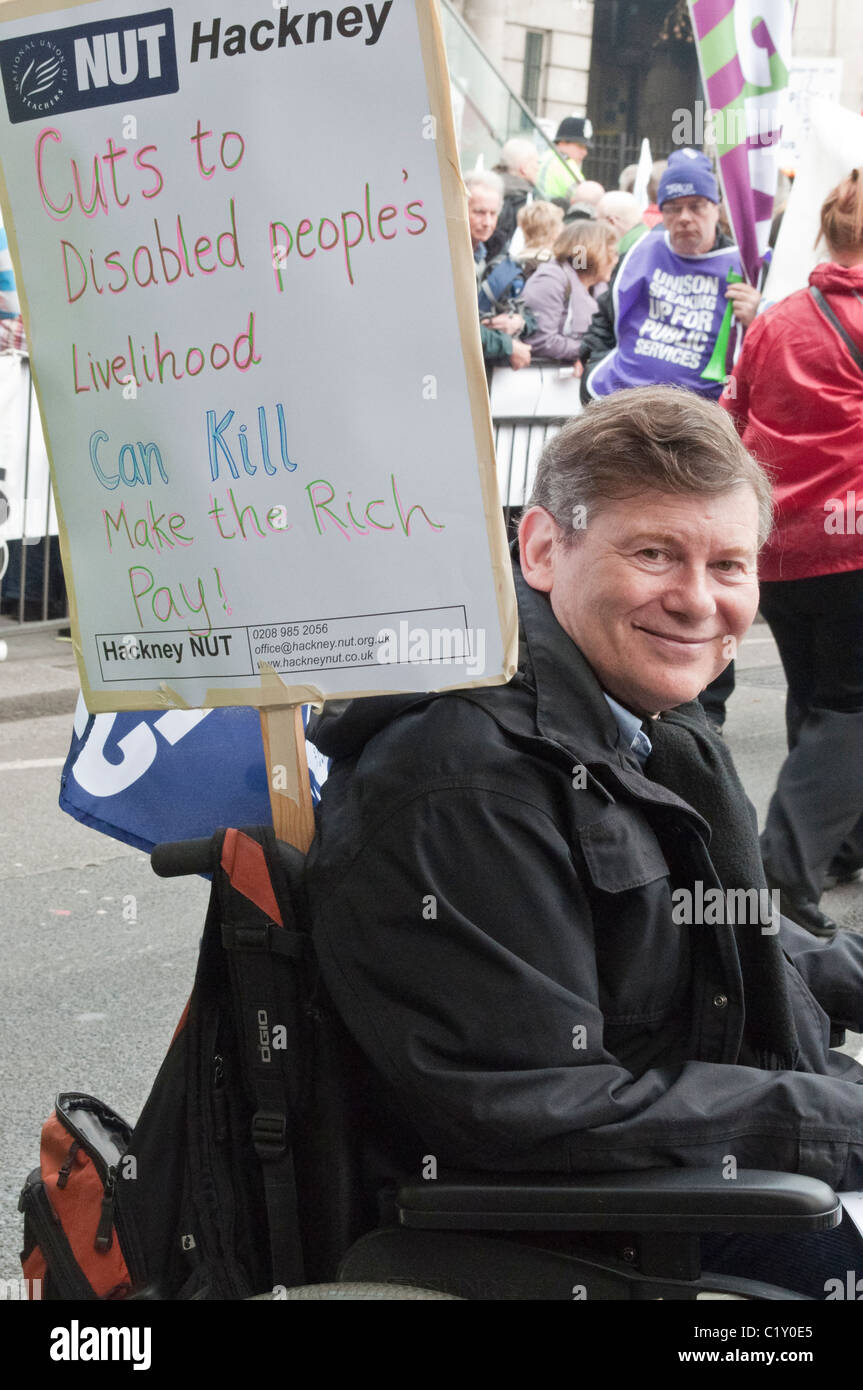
[629, 295]
[528, 219]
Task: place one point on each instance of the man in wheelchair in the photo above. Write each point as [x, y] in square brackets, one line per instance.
[540, 907]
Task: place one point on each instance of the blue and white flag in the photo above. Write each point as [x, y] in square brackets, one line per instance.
[144, 778]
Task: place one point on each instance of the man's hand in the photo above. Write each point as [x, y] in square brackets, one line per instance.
[520, 356]
[745, 299]
[506, 323]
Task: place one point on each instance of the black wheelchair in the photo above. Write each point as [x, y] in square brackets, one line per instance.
[631, 1236]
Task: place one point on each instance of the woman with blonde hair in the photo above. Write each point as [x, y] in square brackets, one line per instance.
[539, 223]
[797, 399]
[559, 294]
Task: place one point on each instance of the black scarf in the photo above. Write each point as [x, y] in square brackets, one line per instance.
[691, 761]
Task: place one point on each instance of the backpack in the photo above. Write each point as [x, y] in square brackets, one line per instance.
[260, 1097]
[502, 302]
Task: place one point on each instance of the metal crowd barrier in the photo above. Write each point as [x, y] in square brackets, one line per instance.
[32, 589]
[528, 407]
[518, 444]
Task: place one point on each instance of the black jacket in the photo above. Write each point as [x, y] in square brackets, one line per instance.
[499, 939]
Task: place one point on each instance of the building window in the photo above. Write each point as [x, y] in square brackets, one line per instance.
[532, 75]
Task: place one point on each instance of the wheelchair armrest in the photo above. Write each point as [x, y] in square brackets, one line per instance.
[683, 1200]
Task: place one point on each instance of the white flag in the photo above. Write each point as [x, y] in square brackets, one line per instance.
[645, 163]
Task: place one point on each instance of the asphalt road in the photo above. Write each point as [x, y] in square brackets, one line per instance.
[88, 998]
[90, 993]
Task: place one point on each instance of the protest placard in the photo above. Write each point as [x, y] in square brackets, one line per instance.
[246, 276]
[809, 79]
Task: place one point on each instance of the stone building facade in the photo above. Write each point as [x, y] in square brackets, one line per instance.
[542, 48]
[601, 57]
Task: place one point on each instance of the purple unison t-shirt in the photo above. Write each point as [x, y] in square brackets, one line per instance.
[667, 313]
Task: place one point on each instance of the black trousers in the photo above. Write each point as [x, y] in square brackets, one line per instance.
[808, 1264]
[817, 808]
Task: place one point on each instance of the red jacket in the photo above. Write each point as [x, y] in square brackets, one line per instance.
[797, 399]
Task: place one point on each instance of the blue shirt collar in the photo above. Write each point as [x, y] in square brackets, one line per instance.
[630, 727]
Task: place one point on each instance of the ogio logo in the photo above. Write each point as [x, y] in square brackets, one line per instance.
[263, 1036]
[88, 65]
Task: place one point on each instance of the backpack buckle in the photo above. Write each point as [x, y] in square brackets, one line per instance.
[269, 1134]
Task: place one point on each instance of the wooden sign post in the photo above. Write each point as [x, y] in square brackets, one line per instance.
[285, 748]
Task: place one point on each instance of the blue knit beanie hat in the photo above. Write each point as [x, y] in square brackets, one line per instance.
[689, 175]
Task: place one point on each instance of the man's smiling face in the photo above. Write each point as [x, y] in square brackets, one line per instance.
[653, 590]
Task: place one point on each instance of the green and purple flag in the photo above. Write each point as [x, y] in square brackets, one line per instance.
[744, 52]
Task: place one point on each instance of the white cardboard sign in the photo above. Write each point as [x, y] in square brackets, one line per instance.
[834, 146]
[242, 250]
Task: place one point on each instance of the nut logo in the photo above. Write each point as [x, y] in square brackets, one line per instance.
[39, 75]
[59, 70]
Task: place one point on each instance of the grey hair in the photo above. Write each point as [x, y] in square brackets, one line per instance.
[484, 178]
[621, 206]
[515, 152]
[649, 438]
